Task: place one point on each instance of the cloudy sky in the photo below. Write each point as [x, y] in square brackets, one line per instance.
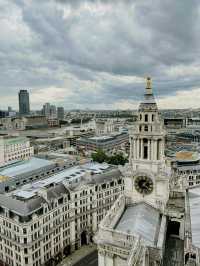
[95, 53]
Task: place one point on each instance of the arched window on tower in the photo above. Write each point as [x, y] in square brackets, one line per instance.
[140, 117]
[145, 128]
[159, 149]
[145, 149]
[146, 118]
[152, 118]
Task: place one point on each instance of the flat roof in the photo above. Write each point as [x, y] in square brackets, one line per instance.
[188, 167]
[194, 202]
[142, 220]
[101, 138]
[24, 167]
[73, 173]
[187, 156]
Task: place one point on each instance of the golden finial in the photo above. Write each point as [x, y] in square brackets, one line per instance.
[148, 83]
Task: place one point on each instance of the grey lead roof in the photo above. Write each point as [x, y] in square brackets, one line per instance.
[194, 203]
[23, 208]
[27, 200]
[56, 192]
[142, 220]
[27, 207]
[100, 178]
[25, 167]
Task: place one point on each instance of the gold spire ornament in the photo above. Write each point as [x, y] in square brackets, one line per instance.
[149, 83]
[148, 86]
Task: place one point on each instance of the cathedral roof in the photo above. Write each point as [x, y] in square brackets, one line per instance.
[194, 201]
[140, 219]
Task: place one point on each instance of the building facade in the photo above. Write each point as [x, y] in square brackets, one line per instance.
[13, 149]
[104, 127]
[24, 123]
[45, 220]
[187, 166]
[109, 144]
[60, 113]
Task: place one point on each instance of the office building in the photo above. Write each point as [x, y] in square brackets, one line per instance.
[60, 113]
[47, 219]
[24, 105]
[49, 111]
[109, 143]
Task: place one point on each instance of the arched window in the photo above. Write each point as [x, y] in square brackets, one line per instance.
[152, 118]
[145, 128]
[159, 149]
[145, 149]
[146, 118]
[140, 117]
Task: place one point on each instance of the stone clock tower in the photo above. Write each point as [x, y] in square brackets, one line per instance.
[133, 232]
[147, 178]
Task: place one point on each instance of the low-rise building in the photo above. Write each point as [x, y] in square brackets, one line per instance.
[104, 127]
[13, 149]
[24, 123]
[109, 143]
[28, 171]
[53, 122]
[187, 166]
[174, 123]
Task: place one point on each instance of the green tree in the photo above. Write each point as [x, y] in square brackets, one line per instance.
[99, 156]
[117, 159]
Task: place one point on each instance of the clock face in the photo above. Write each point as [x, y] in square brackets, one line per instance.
[144, 185]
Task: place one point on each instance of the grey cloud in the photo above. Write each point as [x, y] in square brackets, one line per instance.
[128, 38]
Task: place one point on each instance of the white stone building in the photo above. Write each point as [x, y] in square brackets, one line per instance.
[187, 166]
[47, 219]
[104, 127]
[13, 149]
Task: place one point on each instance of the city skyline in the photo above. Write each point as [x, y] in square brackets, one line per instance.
[95, 54]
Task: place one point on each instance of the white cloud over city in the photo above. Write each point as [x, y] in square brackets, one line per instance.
[95, 54]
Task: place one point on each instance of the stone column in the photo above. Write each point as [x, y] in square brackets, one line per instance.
[161, 150]
[152, 149]
[149, 149]
[155, 149]
[135, 149]
[138, 148]
[131, 148]
[109, 259]
[101, 258]
[142, 151]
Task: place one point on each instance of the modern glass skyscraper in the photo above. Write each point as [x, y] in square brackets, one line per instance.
[60, 113]
[24, 105]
